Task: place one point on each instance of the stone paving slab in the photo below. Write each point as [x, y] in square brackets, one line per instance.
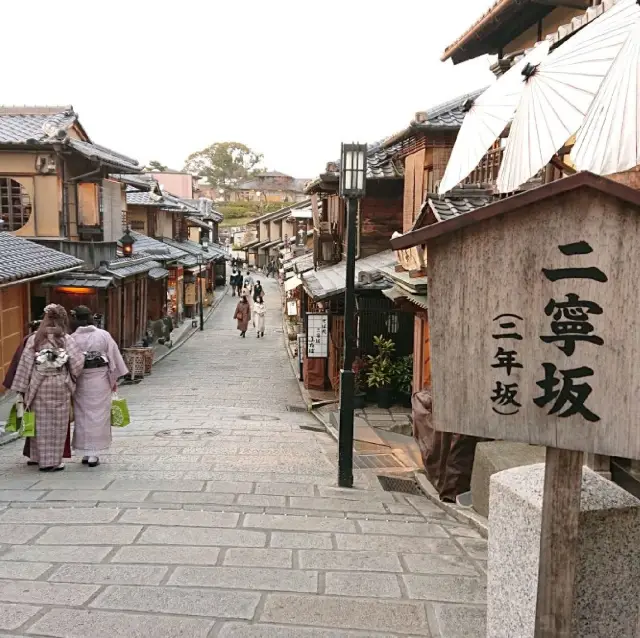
[42, 593]
[13, 615]
[22, 571]
[56, 553]
[90, 535]
[109, 574]
[368, 585]
[178, 600]
[163, 555]
[242, 630]
[200, 536]
[257, 578]
[76, 623]
[243, 534]
[347, 613]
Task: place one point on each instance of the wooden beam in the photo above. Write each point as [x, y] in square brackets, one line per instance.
[558, 543]
[573, 4]
[561, 166]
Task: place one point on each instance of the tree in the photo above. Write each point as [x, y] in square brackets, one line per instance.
[223, 164]
[155, 165]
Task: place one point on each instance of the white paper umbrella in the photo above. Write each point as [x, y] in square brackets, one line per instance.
[559, 93]
[487, 118]
[609, 140]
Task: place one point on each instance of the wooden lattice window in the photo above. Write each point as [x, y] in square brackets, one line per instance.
[137, 225]
[15, 204]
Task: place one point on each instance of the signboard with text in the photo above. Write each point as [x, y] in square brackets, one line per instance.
[535, 322]
[318, 335]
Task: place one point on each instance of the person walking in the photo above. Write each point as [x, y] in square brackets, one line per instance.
[258, 292]
[45, 378]
[243, 315]
[248, 282]
[233, 282]
[103, 366]
[259, 311]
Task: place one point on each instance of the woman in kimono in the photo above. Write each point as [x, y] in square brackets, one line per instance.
[103, 365]
[242, 315]
[45, 378]
[259, 311]
[8, 380]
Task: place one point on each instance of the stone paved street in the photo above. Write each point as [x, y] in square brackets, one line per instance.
[215, 514]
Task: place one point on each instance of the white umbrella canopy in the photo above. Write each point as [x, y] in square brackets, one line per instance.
[559, 92]
[609, 140]
[487, 118]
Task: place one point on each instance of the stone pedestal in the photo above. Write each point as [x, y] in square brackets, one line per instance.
[607, 596]
[496, 456]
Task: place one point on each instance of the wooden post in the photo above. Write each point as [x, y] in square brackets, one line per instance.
[558, 543]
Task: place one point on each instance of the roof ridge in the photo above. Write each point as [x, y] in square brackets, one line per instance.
[34, 110]
[453, 103]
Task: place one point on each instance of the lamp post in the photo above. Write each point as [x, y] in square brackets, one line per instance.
[353, 177]
[200, 259]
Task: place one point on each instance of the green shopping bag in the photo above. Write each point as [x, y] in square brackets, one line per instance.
[12, 423]
[119, 412]
[28, 427]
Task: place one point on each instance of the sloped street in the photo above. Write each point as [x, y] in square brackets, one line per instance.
[216, 514]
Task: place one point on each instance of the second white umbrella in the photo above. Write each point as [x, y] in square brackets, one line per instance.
[559, 92]
[487, 118]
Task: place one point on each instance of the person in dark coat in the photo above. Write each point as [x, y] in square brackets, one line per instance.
[258, 291]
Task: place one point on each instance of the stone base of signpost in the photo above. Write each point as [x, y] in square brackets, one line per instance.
[607, 586]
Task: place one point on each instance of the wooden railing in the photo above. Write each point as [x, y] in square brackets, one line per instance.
[487, 170]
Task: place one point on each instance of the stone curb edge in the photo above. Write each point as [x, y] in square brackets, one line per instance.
[190, 334]
[461, 514]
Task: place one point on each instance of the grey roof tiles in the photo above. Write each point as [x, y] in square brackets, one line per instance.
[23, 259]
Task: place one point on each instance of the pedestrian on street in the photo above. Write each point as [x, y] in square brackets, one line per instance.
[259, 311]
[103, 366]
[248, 282]
[8, 380]
[258, 291]
[45, 379]
[243, 315]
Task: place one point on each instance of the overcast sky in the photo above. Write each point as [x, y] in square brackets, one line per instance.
[291, 79]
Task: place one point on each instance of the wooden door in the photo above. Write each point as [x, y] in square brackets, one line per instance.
[421, 354]
[14, 310]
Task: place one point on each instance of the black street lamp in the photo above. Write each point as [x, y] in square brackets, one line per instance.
[200, 259]
[353, 178]
[126, 243]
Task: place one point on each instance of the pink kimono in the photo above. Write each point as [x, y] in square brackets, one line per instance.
[92, 399]
[47, 390]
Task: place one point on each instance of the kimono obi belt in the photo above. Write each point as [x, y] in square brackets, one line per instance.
[95, 360]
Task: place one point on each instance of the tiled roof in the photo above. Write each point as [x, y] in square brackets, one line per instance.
[158, 273]
[458, 202]
[196, 222]
[330, 281]
[157, 249]
[380, 163]
[46, 125]
[449, 114]
[102, 154]
[79, 280]
[303, 263]
[142, 181]
[128, 266]
[23, 259]
[194, 249]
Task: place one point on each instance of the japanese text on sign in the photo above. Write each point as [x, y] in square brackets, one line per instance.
[562, 392]
[318, 335]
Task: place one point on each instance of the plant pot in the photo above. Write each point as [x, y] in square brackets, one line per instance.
[359, 400]
[383, 397]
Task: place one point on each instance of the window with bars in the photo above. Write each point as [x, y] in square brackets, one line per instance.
[138, 225]
[15, 205]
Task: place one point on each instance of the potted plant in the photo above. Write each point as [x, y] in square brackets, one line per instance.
[403, 379]
[360, 376]
[380, 373]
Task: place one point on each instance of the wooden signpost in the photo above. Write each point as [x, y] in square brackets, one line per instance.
[535, 337]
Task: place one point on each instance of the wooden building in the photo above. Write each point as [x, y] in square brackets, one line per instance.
[22, 265]
[379, 216]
